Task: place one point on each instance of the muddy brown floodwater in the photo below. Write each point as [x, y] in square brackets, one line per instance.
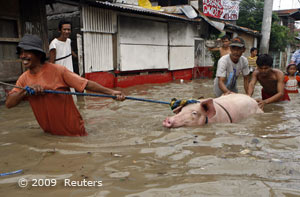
[130, 151]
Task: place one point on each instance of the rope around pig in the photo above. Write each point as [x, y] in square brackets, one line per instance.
[177, 103]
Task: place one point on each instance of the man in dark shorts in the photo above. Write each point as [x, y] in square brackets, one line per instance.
[272, 81]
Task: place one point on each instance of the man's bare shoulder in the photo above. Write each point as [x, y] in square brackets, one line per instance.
[280, 76]
[224, 51]
[277, 71]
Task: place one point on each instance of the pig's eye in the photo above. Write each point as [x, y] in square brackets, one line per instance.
[194, 113]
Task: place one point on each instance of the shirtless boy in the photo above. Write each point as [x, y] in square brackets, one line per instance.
[272, 81]
[225, 49]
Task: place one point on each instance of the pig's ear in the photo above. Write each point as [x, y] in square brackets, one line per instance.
[177, 109]
[208, 108]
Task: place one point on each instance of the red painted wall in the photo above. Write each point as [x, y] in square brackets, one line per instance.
[203, 72]
[186, 74]
[126, 81]
[109, 80]
[103, 78]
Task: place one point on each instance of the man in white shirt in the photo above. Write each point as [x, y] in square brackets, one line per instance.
[229, 68]
[60, 48]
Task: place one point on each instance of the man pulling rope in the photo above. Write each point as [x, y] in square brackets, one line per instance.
[56, 114]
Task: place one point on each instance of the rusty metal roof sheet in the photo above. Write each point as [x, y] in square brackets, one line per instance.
[244, 29]
[293, 13]
[286, 12]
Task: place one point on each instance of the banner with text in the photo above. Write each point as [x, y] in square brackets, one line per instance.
[221, 9]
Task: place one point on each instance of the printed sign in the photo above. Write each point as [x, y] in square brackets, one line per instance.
[221, 9]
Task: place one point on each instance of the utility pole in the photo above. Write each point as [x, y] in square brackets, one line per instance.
[266, 27]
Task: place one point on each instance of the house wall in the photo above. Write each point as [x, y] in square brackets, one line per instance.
[143, 44]
[99, 27]
[249, 41]
[147, 44]
[10, 34]
[181, 45]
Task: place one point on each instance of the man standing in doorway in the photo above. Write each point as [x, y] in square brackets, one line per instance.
[229, 68]
[60, 48]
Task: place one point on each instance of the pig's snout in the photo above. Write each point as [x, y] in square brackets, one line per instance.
[168, 123]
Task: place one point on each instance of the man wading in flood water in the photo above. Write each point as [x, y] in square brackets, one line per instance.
[55, 113]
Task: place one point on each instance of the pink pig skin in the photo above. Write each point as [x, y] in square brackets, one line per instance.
[239, 106]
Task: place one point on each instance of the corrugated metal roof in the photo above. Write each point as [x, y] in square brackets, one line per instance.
[137, 9]
[208, 20]
[129, 8]
[140, 10]
[244, 29]
[231, 26]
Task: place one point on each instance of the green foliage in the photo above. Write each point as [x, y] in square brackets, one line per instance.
[251, 16]
[281, 36]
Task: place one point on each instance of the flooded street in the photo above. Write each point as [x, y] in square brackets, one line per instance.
[130, 151]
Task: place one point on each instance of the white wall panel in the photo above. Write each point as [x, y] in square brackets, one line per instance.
[98, 52]
[181, 58]
[98, 20]
[182, 34]
[142, 31]
[140, 57]
[99, 25]
[143, 44]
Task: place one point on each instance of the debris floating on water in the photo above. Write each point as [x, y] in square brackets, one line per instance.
[275, 160]
[244, 152]
[117, 155]
[255, 141]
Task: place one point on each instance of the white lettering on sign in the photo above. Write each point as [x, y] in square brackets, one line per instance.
[221, 9]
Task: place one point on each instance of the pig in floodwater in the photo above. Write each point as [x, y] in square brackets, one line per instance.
[229, 108]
